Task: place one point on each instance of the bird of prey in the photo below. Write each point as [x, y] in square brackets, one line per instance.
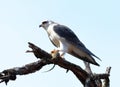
[67, 42]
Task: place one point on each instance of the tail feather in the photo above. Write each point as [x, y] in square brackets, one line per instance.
[84, 49]
[94, 55]
[83, 56]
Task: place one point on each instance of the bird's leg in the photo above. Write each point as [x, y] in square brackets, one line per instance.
[61, 54]
[87, 68]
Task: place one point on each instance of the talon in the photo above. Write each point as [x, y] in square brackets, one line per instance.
[62, 55]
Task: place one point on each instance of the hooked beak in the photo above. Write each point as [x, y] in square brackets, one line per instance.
[40, 25]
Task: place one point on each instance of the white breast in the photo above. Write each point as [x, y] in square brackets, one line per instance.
[53, 36]
[61, 43]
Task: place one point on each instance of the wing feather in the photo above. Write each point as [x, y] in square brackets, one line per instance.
[69, 35]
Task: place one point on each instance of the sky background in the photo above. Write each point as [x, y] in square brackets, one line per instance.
[95, 22]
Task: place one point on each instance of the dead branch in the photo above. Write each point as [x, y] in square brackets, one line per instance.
[46, 58]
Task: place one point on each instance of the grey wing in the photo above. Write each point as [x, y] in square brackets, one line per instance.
[70, 36]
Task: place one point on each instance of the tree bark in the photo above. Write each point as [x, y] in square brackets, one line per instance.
[85, 78]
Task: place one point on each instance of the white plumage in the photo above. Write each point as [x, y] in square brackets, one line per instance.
[67, 42]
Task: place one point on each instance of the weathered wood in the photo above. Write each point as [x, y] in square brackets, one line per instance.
[46, 58]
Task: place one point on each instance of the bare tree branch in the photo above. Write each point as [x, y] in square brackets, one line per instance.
[106, 80]
[86, 79]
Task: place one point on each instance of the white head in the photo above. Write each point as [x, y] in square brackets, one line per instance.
[45, 24]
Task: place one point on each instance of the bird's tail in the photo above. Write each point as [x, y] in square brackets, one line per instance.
[84, 56]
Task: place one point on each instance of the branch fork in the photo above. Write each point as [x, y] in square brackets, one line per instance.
[54, 58]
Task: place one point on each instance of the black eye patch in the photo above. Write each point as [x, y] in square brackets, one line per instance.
[44, 22]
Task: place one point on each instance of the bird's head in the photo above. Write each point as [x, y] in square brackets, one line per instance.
[45, 24]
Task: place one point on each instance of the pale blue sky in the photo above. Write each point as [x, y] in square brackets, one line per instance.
[96, 23]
